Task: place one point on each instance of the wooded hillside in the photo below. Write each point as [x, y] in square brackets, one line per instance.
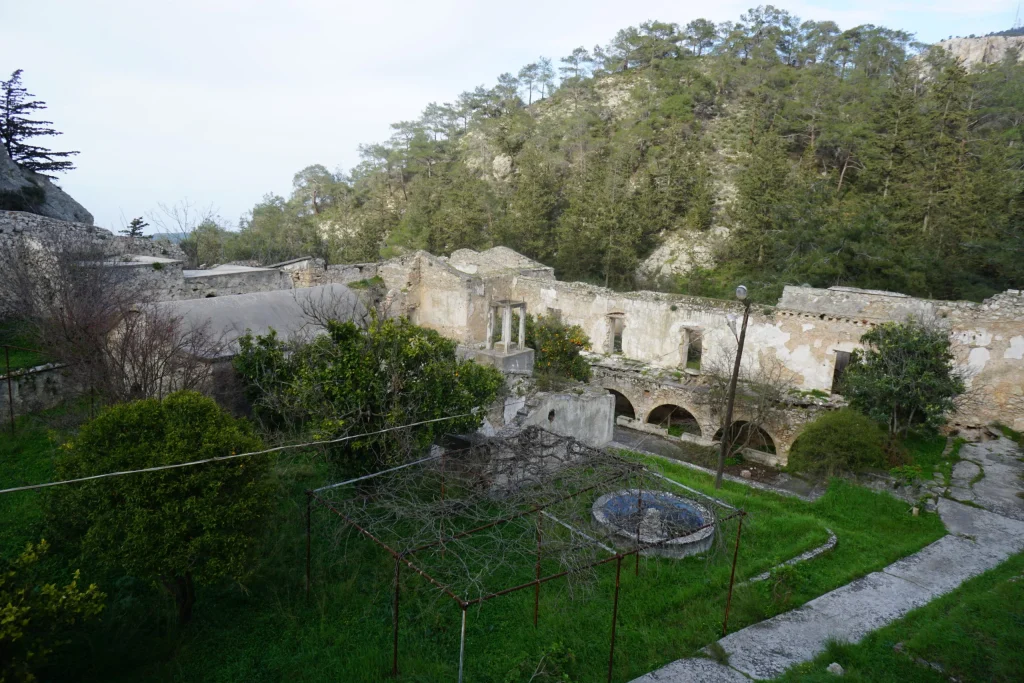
[776, 151]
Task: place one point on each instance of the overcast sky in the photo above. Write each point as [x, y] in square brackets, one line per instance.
[221, 102]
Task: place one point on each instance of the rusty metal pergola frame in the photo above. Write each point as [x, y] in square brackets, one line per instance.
[406, 557]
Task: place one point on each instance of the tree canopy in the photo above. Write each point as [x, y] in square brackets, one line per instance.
[904, 377]
[353, 382]
[790, 151]
[176, 527]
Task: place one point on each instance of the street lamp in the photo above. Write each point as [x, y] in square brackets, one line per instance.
[741, 294]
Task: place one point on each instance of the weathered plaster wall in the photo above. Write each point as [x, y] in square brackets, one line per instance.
[311, 272]
[588, 417]
[803, 333]
[228, 280]
[989, 340]
[34, 389]
[434, 294]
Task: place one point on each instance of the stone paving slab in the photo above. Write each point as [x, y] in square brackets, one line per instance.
[767, 649]
[695, 670]
[978, 541]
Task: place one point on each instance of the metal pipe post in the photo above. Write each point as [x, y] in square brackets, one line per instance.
[10, 394]
[536, 588]
[309, 509]
[615, 616]
[639, 521]
[732, 576]
[394, 652]
[727, 426]
[442, 476]
[462, 643]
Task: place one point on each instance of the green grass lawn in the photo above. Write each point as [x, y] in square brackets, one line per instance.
[25, 458]
[925, 451]
[15, 334]
[270, 631]
[974, 634]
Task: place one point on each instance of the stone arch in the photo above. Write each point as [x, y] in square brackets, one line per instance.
[755, 437]
[623, 406]
[674, 418]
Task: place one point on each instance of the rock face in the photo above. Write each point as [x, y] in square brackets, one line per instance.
[977, 52]
[22, 190]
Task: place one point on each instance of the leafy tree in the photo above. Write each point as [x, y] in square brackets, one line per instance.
[353, 381]
[177, 527]
[700, 35]
[35, 614]
[557, 348]
[134, 228]
[905, 376]
[17, 128]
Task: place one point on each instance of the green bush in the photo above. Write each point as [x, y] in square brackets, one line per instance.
[905, 377]
[34, 614]
[176, 527]
[353, 381]
[557, 347]
[839, 441]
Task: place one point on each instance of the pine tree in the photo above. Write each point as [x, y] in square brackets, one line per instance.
[134, 229]
[16, 128]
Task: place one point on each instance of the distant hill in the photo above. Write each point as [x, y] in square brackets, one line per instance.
[1019, 31]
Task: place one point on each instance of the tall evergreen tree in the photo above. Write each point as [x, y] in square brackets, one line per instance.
[17, 128]
[134, 228]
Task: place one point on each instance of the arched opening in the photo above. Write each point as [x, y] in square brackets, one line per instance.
[622, 405]
[676, 420]
[746, 435]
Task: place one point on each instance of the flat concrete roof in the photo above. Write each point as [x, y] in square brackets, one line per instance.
[222, 270]
[229, 317]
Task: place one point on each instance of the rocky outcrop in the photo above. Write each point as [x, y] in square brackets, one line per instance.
[14, 224]
[22, 190]
[978, 52]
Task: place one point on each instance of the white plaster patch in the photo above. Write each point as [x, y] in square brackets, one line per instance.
[807, 327]
[977, 359]
[1016, 348]
[974, 337]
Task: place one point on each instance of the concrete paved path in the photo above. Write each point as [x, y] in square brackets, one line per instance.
[978, 540]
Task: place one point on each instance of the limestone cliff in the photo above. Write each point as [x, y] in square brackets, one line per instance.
[977, 52]
[22, 190]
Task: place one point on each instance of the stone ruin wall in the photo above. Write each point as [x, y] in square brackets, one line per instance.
[805, 332]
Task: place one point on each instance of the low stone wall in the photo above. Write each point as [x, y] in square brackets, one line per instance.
[199, 284]
[588, 417]
[312, 272]
[32, 389]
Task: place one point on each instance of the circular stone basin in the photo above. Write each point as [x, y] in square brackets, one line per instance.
[679, 526]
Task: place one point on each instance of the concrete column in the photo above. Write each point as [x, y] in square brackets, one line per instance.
[506, 327]
[490, 328]
[522, 327]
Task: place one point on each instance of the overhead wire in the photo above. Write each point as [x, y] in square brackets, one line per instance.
[233, 456]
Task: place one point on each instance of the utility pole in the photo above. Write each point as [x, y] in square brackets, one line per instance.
[741, 294]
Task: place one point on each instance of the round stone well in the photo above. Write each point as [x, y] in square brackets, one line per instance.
[677, 526]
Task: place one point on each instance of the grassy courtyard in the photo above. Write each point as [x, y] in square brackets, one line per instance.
[269, 630]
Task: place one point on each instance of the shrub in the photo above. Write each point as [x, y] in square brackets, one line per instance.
[905, 377]
[34, 614]
[175, 527]
[839, 441]
[557, 347]
[353, 381]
